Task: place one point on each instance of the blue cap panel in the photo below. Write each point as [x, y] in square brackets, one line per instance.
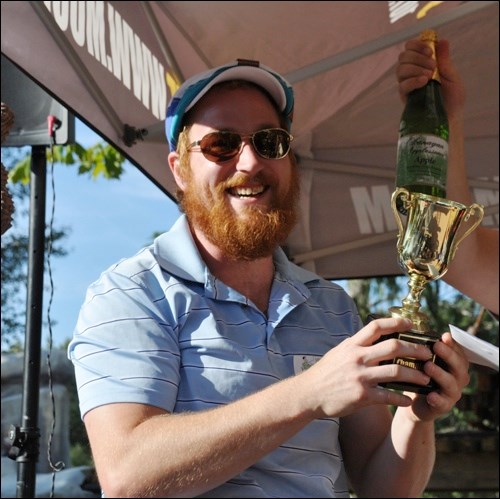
[197, 86]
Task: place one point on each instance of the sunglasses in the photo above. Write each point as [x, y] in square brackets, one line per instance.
[271, 143]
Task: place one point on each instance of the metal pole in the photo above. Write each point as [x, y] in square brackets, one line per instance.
[29, 433]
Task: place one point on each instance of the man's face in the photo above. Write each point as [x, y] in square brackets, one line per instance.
[246, 206]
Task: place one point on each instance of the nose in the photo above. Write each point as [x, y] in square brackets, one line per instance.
[248, 159]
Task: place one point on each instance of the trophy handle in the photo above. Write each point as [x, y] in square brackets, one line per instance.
[404, 194]
[474, 210]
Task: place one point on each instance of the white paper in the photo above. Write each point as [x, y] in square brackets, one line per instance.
[477, 350]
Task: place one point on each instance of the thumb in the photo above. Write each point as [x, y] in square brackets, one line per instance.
[445, 65]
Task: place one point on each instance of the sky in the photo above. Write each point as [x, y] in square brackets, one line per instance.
[106, 220]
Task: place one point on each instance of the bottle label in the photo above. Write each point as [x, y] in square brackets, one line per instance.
[422, 160]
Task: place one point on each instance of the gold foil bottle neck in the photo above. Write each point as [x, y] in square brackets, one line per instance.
[429, 36]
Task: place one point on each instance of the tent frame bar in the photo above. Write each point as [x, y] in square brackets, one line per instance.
[373, 46]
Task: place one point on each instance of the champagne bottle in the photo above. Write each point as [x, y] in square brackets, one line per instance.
[422, 155]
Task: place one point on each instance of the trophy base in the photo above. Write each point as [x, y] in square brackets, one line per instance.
[428, 338]
[423, 339]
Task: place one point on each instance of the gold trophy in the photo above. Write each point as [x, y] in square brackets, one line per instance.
[427, 242]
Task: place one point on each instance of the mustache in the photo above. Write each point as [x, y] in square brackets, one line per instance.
[243, 179]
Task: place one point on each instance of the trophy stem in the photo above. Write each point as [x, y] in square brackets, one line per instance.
[411, 305]
[412, 301]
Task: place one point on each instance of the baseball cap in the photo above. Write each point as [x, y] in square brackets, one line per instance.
[193, 89]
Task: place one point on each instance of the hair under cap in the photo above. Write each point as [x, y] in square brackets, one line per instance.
[193, 89]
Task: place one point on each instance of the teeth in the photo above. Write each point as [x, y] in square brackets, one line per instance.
[248, 191]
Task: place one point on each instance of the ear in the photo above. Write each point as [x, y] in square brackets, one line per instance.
[173, 163]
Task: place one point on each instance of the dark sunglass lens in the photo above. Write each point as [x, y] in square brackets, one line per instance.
[220, 146]
[272, 144]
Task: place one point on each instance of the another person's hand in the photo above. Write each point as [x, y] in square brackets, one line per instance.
[415, 67]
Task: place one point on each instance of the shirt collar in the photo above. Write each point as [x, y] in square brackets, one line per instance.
[177, 254]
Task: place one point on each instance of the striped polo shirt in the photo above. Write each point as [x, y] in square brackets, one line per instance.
[159, 329]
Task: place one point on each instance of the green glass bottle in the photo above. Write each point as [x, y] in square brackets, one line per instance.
[422, 157]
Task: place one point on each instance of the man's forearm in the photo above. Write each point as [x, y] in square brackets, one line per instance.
[184, 455]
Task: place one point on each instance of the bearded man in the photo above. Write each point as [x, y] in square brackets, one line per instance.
[210, 365]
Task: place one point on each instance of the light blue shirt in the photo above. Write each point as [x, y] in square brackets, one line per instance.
[159, 329]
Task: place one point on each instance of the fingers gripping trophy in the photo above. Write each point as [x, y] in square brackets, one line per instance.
[430, 226]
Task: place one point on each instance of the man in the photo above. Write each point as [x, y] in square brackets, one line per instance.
[209, 365]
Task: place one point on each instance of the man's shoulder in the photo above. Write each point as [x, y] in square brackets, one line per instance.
[311, 279]
[172, 253]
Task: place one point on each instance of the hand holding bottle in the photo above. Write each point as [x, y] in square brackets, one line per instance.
[416, 67]
[422, 156]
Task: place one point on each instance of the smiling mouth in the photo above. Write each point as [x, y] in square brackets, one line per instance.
[247, 192]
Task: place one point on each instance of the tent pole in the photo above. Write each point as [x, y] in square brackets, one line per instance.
[26, 438]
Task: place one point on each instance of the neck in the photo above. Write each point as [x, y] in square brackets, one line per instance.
[252, 278]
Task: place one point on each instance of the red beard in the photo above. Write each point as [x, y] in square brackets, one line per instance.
[254, 235]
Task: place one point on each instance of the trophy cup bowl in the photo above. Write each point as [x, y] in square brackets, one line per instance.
[427, 241]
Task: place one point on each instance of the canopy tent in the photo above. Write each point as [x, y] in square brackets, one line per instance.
[116, 64]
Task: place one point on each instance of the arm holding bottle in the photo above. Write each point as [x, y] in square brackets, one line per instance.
[474, 270]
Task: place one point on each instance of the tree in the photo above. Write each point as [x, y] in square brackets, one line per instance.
[14, 278]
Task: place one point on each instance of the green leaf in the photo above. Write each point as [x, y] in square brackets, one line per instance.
[100, 159]
[21, 171]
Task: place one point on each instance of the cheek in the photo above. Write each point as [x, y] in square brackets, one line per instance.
[284, 177]
[203, 181]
